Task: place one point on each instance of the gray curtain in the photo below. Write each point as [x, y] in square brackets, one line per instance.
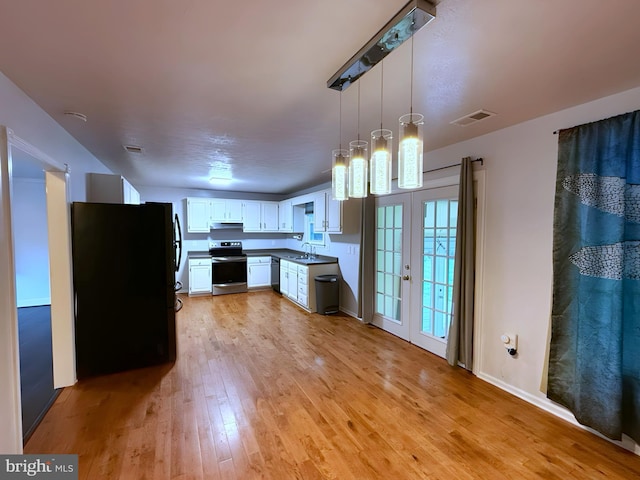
[460, 340]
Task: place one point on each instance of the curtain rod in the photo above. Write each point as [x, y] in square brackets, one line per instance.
[481, 160]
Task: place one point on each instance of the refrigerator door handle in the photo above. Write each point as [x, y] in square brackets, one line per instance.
[178, 242]
[178, 285]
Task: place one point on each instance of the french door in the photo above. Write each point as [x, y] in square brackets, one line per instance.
[415, 255]
[392, 272]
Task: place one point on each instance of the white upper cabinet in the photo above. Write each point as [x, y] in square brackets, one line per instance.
[130, 194]
[226, 210]
[107, 188]
[198, 215]
[327, 213]
[285, 216]
[259, 216]
[251, 220]
[270, 216]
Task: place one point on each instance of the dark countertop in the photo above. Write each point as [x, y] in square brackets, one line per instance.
[198, 254]
[282, 253]
[290, 255]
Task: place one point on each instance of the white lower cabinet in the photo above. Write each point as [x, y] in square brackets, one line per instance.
[199, 276]
[303, 286]
[258, 272]
[289, 279]
[297, 282]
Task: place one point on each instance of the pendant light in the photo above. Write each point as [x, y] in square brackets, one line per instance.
[339, 172]
[358, 163]
[381, 148]
[410, 147]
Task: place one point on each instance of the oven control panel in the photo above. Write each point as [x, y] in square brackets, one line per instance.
[225, 244]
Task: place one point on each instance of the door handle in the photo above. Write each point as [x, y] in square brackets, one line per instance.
[406, 277]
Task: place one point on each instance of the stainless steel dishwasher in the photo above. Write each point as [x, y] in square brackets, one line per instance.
[275, 273]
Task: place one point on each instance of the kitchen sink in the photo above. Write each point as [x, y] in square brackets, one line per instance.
[299, 257]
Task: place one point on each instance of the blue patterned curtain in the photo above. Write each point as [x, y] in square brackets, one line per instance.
[594, 362]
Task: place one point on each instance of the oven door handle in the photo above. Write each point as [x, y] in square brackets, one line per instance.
[228, 259]
[228, 285]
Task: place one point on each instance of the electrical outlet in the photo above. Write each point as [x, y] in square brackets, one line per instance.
[509, 340]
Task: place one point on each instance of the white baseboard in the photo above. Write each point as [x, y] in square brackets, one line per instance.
[350, 313]
[555, 409]
[33, 302]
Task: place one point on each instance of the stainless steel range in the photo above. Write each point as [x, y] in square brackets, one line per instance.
[228, 268]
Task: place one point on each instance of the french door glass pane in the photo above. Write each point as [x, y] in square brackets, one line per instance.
[388, 260]
[439, 237]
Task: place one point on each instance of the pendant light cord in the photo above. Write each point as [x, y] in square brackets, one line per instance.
[411, 88]
[340, 122]
[381, 91]
[358, 110]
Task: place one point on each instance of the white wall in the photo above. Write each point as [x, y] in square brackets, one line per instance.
[29, 122]
[520, 164]
[31, 247]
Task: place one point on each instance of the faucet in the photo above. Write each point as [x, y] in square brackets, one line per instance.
[304, 249]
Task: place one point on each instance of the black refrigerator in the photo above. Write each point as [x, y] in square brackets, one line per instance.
[124, 263]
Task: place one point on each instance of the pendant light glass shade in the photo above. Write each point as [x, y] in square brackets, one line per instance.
[410, 151]
[358, 169]
[380, 165]
[339, 175]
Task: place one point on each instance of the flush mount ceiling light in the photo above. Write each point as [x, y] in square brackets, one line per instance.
[220, 180]
[411, 18]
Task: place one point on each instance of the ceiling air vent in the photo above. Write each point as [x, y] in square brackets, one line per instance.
[133, 149]
[78, 115]
[472, 118]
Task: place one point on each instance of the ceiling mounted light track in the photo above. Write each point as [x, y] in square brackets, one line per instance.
[411, 18]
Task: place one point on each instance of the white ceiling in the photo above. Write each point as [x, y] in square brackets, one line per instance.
[240, 87]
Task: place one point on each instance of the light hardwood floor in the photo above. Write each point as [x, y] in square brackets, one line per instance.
[262, 389]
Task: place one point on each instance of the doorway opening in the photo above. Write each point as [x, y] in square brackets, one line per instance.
[33, 290]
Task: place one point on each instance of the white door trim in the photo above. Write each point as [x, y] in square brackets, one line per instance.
[10, 408]
[62, 308]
